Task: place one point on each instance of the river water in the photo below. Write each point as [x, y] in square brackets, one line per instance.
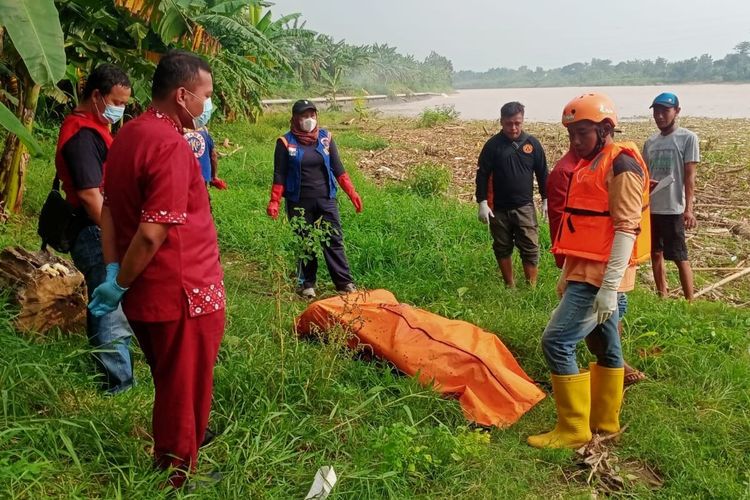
[545, 104]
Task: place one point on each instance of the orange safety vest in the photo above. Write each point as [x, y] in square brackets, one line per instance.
[586, 229]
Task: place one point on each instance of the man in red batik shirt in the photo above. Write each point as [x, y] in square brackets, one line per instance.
[160, 244]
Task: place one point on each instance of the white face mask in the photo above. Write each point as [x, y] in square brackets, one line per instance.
[309, 124]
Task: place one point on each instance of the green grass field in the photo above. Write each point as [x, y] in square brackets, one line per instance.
[285, 407]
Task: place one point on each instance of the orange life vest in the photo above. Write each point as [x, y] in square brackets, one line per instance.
[586, 229]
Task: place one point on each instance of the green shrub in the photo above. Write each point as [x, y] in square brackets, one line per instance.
[437, 115]
[429, 179]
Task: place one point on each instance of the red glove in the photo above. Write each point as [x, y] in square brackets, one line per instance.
[218, 183]
[273, 206]
[346, 184]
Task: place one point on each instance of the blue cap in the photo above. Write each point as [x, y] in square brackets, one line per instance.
[666, 99]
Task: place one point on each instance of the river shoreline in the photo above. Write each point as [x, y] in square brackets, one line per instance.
[349, 102]
[544, 104]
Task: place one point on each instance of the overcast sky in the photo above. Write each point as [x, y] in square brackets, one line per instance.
[481, 34]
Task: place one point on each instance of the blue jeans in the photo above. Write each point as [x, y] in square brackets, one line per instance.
[573, 321]
[622, 304]
[110, 334]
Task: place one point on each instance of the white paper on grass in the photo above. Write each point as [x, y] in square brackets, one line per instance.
[323, 483]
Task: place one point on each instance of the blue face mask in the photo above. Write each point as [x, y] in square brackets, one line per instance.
[112, 114]
[202, 119]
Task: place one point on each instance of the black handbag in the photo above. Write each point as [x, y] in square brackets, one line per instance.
[57, 221]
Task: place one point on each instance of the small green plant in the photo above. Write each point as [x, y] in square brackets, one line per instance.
[361, 109]
[437, 115]
[401, 452]
[430, 179]
[420, 452]
[308, 238]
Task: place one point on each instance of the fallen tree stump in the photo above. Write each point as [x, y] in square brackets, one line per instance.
[48, 290]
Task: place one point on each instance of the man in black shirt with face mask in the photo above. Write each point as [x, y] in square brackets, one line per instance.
[82, 148]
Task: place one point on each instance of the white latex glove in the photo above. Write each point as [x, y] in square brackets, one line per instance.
[484, 212]
[545, 212]
[605, 302]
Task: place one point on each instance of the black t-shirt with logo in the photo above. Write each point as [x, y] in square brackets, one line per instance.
[513, 165]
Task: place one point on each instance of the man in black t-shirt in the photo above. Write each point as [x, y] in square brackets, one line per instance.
[504, 186]
[81, 152]
[85, 153]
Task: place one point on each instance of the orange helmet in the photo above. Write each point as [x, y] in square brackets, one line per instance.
[592, 106]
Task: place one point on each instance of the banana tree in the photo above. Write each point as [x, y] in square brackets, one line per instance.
[33, 54]
[243, 58]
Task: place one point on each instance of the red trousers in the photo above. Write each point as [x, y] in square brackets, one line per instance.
[181, 355]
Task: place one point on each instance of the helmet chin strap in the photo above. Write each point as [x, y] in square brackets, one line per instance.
[601, 139]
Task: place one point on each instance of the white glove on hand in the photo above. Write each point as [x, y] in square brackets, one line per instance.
[484, 212]
[605, 303]
[545, 212]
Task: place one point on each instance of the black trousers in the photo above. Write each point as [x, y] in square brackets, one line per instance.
[333, 249]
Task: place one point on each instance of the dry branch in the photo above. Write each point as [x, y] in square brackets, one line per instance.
[726, 280]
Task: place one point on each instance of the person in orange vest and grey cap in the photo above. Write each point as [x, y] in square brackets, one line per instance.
[306, 171]
[604, 234]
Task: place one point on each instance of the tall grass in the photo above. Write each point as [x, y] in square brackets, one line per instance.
[284, 406]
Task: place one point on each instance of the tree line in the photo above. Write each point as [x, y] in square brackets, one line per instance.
[48, 47]
[734, 67]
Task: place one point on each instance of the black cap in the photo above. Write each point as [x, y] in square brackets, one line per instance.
[303, 105]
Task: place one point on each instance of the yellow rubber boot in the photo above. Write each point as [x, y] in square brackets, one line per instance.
[606, 398]
[573, 399]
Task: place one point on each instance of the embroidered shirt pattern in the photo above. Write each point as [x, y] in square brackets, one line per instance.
[166, 117]
[163, 217]
[207, 299]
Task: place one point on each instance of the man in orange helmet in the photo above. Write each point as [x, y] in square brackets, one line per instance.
[604, 234]
[558, 181]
